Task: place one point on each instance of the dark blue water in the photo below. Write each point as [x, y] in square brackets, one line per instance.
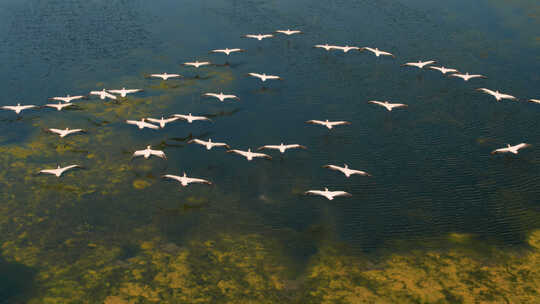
[432, 169]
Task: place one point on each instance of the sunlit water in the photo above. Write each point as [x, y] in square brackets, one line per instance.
[432, 169]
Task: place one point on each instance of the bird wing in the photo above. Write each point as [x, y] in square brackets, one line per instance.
[158, 153]
[315, 192]
[262, 155]
[181, 116]
[48, 171]
[386, 53]
[231, 96]
[255, 75]
[522, 146]
[149, 125]
[398, 105]
[534, 100]
[477, 76]
[70, 167]
[360, 172]
[240, 152]
[138, 153]
[267, 147]
[342, 122]
[487, 91]
[293, 146]
[115, 91]
[201, 118]
[333, 167]
[199, 180]
[501, 150]
[154, 120]
[315, 122]
[377, 102]
[57, 131]
[340, 193]
[506, 96]
[211, 95]
[132, 122]
[170, 176]
[197, 141]
[272, 77]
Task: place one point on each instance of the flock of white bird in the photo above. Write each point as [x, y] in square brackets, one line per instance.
[184, 180]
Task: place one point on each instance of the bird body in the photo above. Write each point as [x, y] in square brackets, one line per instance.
[259, 36]
[263, 77]
[498, 95]
[65, 132]
[141, 124]
[59, 106]
[162, 121]
[165, 76]
[146, 153]
[443, 69]
[123, 92]
[191, 118]
[184, 180]
[18, 108]
[330, 195]
[328, 124]
[227, 51]
[208, 144]
[197, 64]
[346, 170]
[250, 155]
[281, 147]
[103, 94]
[221, 96]
[420, 64]
[467, 76]
[387, 105]
[346, 48]
[58, 171]
[511, 149]
[67, 98]
[289, 32]
[378, 52]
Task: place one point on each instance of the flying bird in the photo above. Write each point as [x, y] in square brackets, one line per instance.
[467, 76]
[67, 98]
[330, 195]
[58, 171]
[227, 51]
[250, 155]
[197, 64]
[141, 124]
[281, 147]
[498, 95]
[59, 106]
[191, 118]
[208, 144]
[289, 32]
[263, 77]
[221, 96]
[387, 105]
[18, 108]
[123, 92]
[377, 52]
[511, 149]
[162, 121]
[165, 76]
[346, 48]
[419, 64]
[345, 170]
[259, 36]
[444, 70]
[185, 181]
[103, 94]
[328, 124]
[146, 153]
[65, 132]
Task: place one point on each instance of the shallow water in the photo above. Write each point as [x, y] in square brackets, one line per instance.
[433, 175]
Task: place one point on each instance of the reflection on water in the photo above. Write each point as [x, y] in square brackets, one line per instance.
[440, 220]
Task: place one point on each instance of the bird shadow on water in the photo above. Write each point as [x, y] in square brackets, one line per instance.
[16, 282]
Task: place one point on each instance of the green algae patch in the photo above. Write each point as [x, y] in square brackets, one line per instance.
[141, 184]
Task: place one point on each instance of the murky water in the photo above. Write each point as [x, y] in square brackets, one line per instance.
[116, 232]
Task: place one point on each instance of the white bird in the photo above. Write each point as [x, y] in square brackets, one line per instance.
[250, 155]
[498, 95]
[67, 98]
[165, 76]
[419, 64]
[142, 124]
[345, 170]
[66, 131]
[387, 105]
[511, 149]
[162, 121]
[258, 36]
[18, 108]
[347, 48]
[535, 101]
[227, 51]
[197, 64]
[185, 181]
[281, 147]
[444, 70]
[328, 124]
[103, 94]
[146, 153]
[467, 76]
[377, 52]
[208, 144]
[59, 171]
[263, 77]
[289, 32]
[59, 106]
[221, 96]
[123, 92]
[328, 194]
[326, 46]
[191, 118]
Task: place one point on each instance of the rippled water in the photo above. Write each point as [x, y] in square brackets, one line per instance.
[432, 169]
